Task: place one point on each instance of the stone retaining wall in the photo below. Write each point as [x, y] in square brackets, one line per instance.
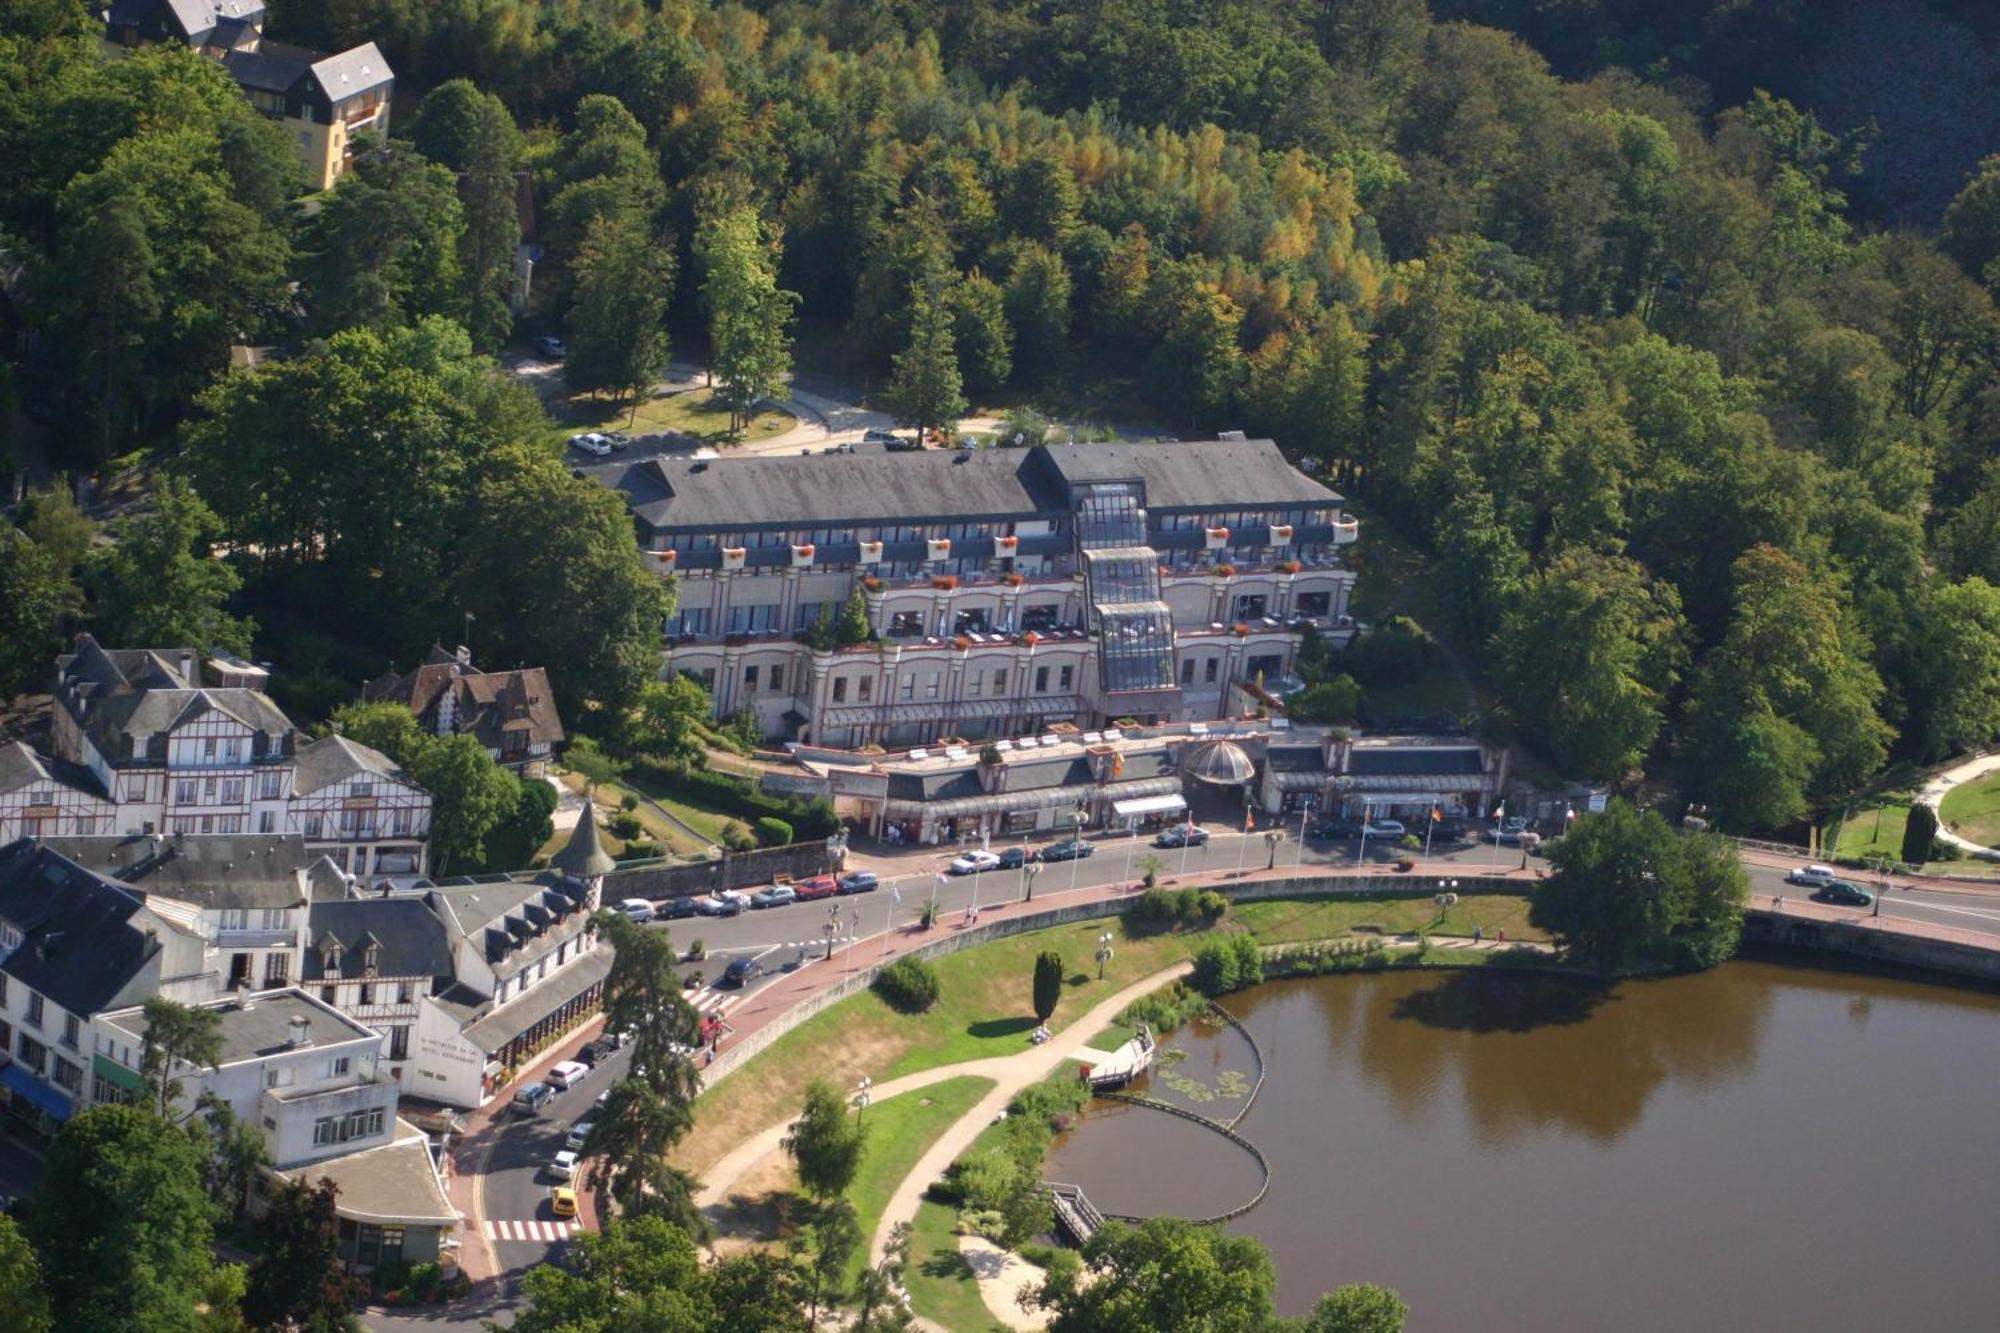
[733, 870]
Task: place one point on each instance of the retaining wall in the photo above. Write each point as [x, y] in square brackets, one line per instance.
[1965, 955]
[734, 870]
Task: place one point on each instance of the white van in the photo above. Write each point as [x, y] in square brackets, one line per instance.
[637, 910]
[1812, 877]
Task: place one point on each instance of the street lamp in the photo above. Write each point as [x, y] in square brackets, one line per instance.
[1076, 850]
[832, 927]
[862, 1098]
[1030, 869]
[1104, 953]
[1271, 840]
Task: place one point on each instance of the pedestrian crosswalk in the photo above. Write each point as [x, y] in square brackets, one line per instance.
[709, 1000]
[545, 1232]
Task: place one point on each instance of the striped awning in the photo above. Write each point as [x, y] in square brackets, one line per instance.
[1310, 780]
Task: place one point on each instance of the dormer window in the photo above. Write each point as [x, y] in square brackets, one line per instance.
[370, 957]
[329, 962]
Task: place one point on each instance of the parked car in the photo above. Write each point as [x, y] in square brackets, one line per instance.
[1334, 829]
[1013, 858]
[1181, 835]
[532, 1098]
[590, 442]
[1383, 828]
[636, 910]
[974, 861]
[887, 437]
[1812, 876]
[738, 896]
[673, 908]
[550, 347]
[567, 1075]
[720, 904]
[564, 1165]
[819, 886]
[577, 1134]
[775, 895]
[1069, 849]
[901, 444]
[1511, 831]
[1447, 830]
[1845, 893]
[740, 972]
[617, 439]
[593, 1052]
[858, 881]
[562, 1201]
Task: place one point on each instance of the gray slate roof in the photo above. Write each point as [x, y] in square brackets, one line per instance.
[414, 941]
[353, 71]
[501, 1026]
[1458, 761]
[143, 691]
[264, 1025]
[332, 758]
[936, 485]
[84, 937]
[21, 767]
[214, 871]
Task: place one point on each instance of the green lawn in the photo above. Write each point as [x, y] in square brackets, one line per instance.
[984, 1009]
[1113, 1036]
[900, 1130]
[692, 412]
[608, 796]
[942, 1288]
[1973, 810]
[1873, 832]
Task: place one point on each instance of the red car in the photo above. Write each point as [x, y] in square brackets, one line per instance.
[819, 886]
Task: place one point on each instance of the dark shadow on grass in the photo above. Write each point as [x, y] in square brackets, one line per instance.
[1479, 1001]
[1000, 1027]
[950, 1265]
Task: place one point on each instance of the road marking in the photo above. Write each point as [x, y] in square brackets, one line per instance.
[1918, 904]
[711, 1001]
[546, 1233]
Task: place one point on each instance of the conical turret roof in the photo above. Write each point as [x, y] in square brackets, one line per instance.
[584, 855]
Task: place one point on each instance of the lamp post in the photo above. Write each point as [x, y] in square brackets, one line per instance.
[1028, 872]
[1271, 840]
[832, 927]
[1076, 848]
[862, 1098]
[1104, 953]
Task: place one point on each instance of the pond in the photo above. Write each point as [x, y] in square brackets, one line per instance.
[1754, 1147]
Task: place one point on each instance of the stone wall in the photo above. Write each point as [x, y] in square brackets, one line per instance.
[734, 870]
[1963, 957]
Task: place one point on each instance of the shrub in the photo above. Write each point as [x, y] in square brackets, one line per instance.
[1164, 1010]
[1048, 983]
[1920, 834]
[909, 985]
[1156, 907]
[628, 802]
[1227, 964]
[639, 849]
[737, 837]
[1396, 651]
[625, 827]
[1213, 905]
[774, 832]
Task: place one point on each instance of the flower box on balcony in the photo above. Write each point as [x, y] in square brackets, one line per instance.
[1291, 566]
[1013, 580]
[945, 582]
[1281, 534]
[1030, 639]
[669, 558]
[1217, 538]
[1006, 546]
[802, 555]
[939, 548]
[1242, 630]
[961, 643]
[734, 556]
[871, 553]
[1224, 571]
[872, 584]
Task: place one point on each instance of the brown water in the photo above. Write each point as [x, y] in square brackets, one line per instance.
[1756, 1147]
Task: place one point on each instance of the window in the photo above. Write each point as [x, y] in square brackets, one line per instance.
[749, 679]
[32, 1053]
[209, 786]
[267, 821]
[106, 1093]
[399, 1042]
[277, 970]
[1187, 671]
[908, 689]
[906, 625]
[326, 993]
[753, 619]
[1208, 670]
[279, 1076]
[808, 614]
[1265, 665]
[975, 684]
[72, 1031]
[840, 689]
[367, 993]
[865, 690]
[270, 786]
[135, 789]
[337, 1067]
[232, 791]
[313, 823]
[69, 1077]
[693, 620]
[34, 1009]
[208, 749]
[1065, 678]
[1042, 615]
[777, 680]
[353, 1125]
[6, 943]
[1315, 603]
[184, 791]
[1250, 606]
[228, 823]
[1041, 680]
[404, 993]
[234, 918]
[932, 684]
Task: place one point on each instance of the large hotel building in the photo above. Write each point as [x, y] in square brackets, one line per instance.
[1007, 590]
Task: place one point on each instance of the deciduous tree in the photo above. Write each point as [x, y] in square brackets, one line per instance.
[926, 389]
[300, 1279]
[176, 1035]
[470, 796]
[617, 318]
[1628, 890]
[749, 315]
[1165, 1272]
[825, 1142]
[1358, 1307]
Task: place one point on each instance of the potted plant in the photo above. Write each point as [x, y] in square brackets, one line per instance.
[1241, 629]
[990, 754]
[1404, 864]
[945, 582]
[872, 584]
[1030, 639]
[927, 916]
[1014, 580]
[1292, 566]
[697, 951]
[1225, 571]
[961, 643]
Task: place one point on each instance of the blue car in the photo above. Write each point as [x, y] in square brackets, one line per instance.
[860, 881]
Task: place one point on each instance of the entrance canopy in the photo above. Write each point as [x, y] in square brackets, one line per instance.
[1148, 805]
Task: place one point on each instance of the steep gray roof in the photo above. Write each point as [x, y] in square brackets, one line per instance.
[1194, 475]
[1458, 761]
[215, 871]
[331, 758]
[414, 941]
[22, 767]
[85, 938]
[116, 694]
[584, 855]
[353, 71]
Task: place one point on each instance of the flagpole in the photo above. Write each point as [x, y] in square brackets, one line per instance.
[1430, 827]
[1243, 844]
[1304, 815]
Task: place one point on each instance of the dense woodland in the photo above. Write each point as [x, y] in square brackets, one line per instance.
[1708, 457]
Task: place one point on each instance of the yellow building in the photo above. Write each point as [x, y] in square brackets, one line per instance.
[322, 100]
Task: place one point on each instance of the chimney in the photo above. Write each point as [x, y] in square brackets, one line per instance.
[187, 668]
[464, 656]
[299, 1032]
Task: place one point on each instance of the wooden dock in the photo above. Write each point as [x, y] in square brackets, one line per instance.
[1123, 1065]
[1076, 1216]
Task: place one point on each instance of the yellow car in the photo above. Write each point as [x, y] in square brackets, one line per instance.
[562, 1201]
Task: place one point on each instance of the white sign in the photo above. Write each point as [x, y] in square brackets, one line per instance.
[1596, 803]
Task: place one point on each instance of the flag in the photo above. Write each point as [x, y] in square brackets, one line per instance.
[1249, 820]
[895, 894]
[1437, 815]
[1499, 811]
[1571, 814]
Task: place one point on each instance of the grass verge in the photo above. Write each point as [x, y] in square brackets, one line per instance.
[942, 1287]
[900, 1130]
[1972, 811]
[1873, 832]
[985, 1008]
[691, 412]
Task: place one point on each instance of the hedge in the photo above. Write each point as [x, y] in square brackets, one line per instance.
[910, 985]
[774, 832]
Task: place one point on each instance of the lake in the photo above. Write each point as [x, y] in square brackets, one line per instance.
[1754, 1147]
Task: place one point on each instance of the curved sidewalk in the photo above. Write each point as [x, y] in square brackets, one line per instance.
[1942, 785]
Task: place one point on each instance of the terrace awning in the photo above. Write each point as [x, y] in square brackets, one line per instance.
[1040, 798]
[1149, 805]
